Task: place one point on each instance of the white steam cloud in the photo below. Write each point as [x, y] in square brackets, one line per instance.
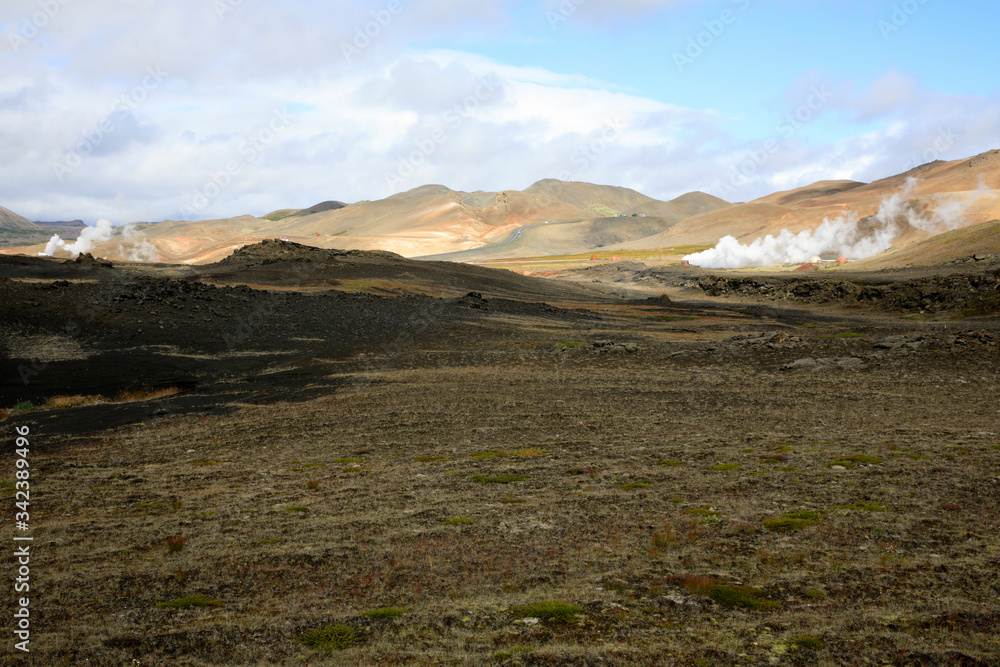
[844, 236]
[88, 237]
[135, 246]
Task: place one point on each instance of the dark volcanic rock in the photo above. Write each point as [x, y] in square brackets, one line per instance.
[977, 293]
[88, 260]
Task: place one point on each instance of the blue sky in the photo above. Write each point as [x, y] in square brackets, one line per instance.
[213, 108]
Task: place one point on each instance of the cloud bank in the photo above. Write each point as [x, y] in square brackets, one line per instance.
[105, 111]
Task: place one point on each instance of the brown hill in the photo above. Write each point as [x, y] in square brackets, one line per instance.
[426, 220]
[972, 184]
[435, 220]
[279, 263]
[968, 243]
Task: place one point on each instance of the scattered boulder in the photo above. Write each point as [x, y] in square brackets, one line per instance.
[474, 300]
[773, 340]
[607, 346]
[972, 293]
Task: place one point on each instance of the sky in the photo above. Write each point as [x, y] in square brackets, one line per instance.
[143, 110]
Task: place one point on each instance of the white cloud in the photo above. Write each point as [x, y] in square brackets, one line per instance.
[80, 90]
[604, 10]
[889, 92]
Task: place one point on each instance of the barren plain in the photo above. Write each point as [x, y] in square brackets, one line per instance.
[315, 457]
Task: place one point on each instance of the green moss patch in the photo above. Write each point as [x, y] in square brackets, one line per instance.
[386, 613]
[330, 638]
[730, 595]
[807, 641]
[792, 521]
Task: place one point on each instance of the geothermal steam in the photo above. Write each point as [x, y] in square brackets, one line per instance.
[844, 236]
[138, 248]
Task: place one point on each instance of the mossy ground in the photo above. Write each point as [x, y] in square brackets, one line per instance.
[895, 553]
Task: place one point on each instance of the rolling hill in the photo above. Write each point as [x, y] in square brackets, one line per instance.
[553, 217]
[959, 244]
[12, 223]
[432, 219]
[972, 185]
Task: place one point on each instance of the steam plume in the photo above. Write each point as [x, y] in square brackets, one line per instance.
[88, 237]
[844, 235]
[135, 247]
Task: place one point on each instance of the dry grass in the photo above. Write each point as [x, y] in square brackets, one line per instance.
[131, 396]
[188, 602]
[62, 402]
[888, 557]
[175, 544]
[548, 610]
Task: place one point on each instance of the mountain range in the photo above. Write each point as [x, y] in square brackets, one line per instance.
[554, 217]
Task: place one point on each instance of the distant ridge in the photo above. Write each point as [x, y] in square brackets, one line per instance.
[552, 217]
[12, 222]
[319, 208]
[281, 214]
[71, 228]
